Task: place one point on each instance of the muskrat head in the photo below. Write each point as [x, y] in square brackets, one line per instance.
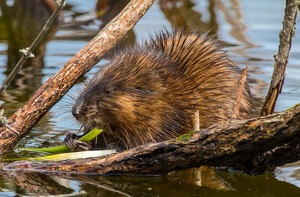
[120, 97]
[88, 108]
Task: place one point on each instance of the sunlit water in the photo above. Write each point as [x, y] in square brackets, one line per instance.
[248, 29]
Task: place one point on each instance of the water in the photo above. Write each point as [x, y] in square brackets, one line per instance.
[248, 29]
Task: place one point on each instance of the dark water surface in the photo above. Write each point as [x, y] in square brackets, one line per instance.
[248, 29]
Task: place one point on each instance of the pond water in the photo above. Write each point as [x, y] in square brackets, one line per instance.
[249, 31]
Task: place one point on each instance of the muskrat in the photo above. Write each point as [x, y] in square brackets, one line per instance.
[150, 92]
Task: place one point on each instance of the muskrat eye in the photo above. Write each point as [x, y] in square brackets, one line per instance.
[109, 90]
[84, 110]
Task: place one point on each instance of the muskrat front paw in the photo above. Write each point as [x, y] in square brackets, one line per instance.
[73, 143]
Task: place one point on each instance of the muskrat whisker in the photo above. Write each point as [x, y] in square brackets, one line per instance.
[67, 113]
[67, 117]
[80, 127]
[71, 97]
[67, 105]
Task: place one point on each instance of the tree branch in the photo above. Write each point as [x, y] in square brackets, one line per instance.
[281, 59]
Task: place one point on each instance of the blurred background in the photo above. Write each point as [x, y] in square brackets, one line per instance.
[247, 29]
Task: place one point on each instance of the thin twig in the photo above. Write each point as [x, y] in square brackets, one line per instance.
[196, 121]
[4, 122]
[27, 52]
[281, 59]
[239, 94]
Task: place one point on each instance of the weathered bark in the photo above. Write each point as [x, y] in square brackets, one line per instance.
[252, 146]
[281, 59]
[55, 87]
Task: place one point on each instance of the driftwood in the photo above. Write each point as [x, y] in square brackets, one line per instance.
[55, 87]
[253, 146]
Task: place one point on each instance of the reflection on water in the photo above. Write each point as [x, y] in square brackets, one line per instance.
[248, 29]
[19, 24]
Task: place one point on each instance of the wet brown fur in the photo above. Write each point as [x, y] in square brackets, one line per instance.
[150, 92]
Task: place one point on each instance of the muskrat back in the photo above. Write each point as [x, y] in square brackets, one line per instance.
[150, 92]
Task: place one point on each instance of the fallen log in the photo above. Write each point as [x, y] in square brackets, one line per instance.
[252, 146]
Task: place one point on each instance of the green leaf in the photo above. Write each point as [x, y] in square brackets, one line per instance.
[62, 148]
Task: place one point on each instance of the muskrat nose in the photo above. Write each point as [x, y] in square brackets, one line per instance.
[75, 112]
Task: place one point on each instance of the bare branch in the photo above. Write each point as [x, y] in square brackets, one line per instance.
[196, 121]
[281, 59]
